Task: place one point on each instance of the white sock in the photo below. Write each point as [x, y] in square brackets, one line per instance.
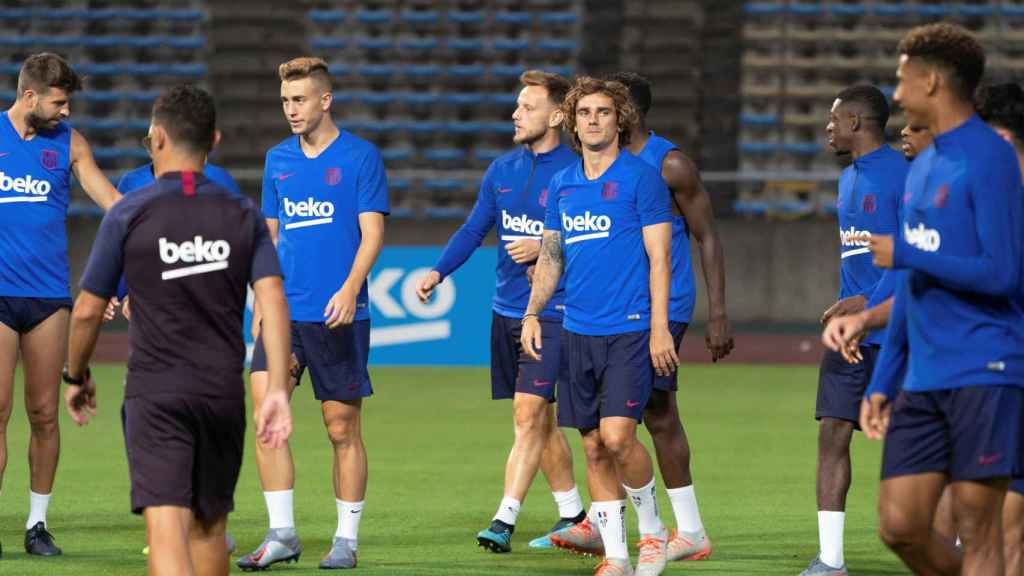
[508, 511]
[611, 521]
[684, 505]
[830, 537]
[280, 508]
[349, 514]
[646, 505]
[592, 514]
[569, 503]
[37, 505]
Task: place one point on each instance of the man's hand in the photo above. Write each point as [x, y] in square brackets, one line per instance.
[850, 305]
[663, 352]
[341, 308]
[844, 335]
[80, 401]
[426, 286]
[881, 250]
[274, 421]
[111, 312]
[529, 274]
[718, 337]
[530, 337]
[523, 251]
[874, 416]
[126, 310]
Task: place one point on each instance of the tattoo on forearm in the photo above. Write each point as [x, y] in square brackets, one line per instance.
[547, 273]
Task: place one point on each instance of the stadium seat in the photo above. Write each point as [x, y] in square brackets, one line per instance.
[502, 127]
[15, 14]
[511, 44]
[374, 16]
[806, 9]
[339, 69]
[375, 44]
[895, 10]
[487, 154]
[1011, 10]
[420, 17]
[377, 70]
[464, 98]
[443, 184]
[97, 124]
[399, 183]
[802, 148]
[420, 98]
[469, 127]
[77, 209]
[558, 18]
[506, 71]
[418, 43]
[465, 44]
[512, 18]
[976, 10]
[144, 96]
[103, 153]
[184, 42]
[195, 69]
[557, 45]
[444, 154]
[763, 8]
[503, 99]
[466, 70]
[848, 10]
[759, 147]
[396, 154]
[466, 17]
[326, 16]
[422, 70]
[750, 119]
[934, 10]
[445, 212]
[376, 98]
[328, 43]
[426, 127]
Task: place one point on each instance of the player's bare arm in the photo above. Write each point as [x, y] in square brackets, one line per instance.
[658, 244]
[844, 307]
[274, 422]
[844, 334]
[95, 184]
[86, 318]
[683, 179]
[545, 281]
[341, 309]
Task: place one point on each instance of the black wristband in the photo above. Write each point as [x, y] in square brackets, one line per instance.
[66, 377]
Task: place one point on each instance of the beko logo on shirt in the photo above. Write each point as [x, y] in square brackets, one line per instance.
[858, 239]
[922, 238]
[319, 212]
[592, 225]
[35, 188]
[527, 228]
[203, 255]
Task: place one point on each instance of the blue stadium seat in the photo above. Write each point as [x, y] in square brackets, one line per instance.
[848, 9]
[511, 44]
[15, 14]
[381, 126]
[372, 44]
[376, 98]
[97, 124]
[8, 95]
[504, 99]
[498, 127]
[374, 16]
[143, 41]
[420, 98]
[558, 17]
[104, 69]
[512, 18]
[802, 148]
[444, 212]
[418, 43]
[423, 70]
[805, 9]
[464, 98]
[487, 154]
[10, 68]
[155, 69]
[934, 10]
[59, 14]
[1012, 10]
[180, 15]
[470, 127]
[101, 41]
[400, 212]
[100, 96]
[506, 71]
[343, 97]
[18, 41]
[144, 96]
[420, 17]
[466, 17]
[891, 10]
[399, 184]
[326, 16]
[79, 209]
[759, 147]
[185, 42]
[377, 70]
[442, 184]
[427, 127]
[763, 8]
[750, 207]
[465, 44]
[101, 15]
[339, 69]
[396, 154]
[759, 119]
[193, 69]
[328, 43]
[137, 124]
[466, 71]
[444, 154]
[103, 153]
[976, 10]
[557, 45]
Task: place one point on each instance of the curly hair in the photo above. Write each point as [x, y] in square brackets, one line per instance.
[625, 111]
[188, 114]
[1002, 105]
[951, 48]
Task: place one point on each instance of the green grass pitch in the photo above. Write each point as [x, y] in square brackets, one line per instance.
[437, 446]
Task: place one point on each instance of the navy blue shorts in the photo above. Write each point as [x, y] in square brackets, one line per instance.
[23, 314]
[970, 433]
[184, 451]
[608, 376]
[336, 359]
[1017, 485]
[841, 385]
[669, 383]
[513, 371]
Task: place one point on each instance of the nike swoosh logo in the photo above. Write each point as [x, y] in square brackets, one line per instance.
[632, 404]
[2, 154]
[283, 177]
[504, 190]
[541, 383]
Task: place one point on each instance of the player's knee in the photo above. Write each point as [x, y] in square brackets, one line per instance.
[662, 424]
[42, 418]
[898, 529]
[593, 449]
[618, 442]
[834, 435]
[342, 432]
[529, 418]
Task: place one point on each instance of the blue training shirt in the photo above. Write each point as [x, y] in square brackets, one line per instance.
[607, 273]
[960, 244]
[143, 176]
[868, 203]
[512, 196]
[35, 189]
[317, 202]
[684, 293]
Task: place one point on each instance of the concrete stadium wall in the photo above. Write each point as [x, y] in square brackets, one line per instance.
[776, 272]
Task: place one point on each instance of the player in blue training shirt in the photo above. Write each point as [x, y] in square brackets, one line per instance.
[512, 197]
[39, 152]
[611, 212]
[867, 204]
[956, 325]
[325, 197]
[188, 248]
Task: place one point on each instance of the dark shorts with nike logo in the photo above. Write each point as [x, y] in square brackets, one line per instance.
[513, 371]
[23, 314]
[970, 433]
[608, 376]
[337, 359]
[184, 450]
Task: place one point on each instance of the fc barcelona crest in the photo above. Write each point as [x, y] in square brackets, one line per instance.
[49, 159]
[333, 176]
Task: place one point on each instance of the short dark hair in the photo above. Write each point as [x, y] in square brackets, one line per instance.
[1003, 105]
[639, 89]
[871, 99]
[188, 115]
[556, 85]
[46, 70]
[953, 49]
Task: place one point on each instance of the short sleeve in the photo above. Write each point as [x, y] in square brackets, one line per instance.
[372, 185]
[264, 254]
[552, 219]
[269, 199]
[652, 199]
[106, 260]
